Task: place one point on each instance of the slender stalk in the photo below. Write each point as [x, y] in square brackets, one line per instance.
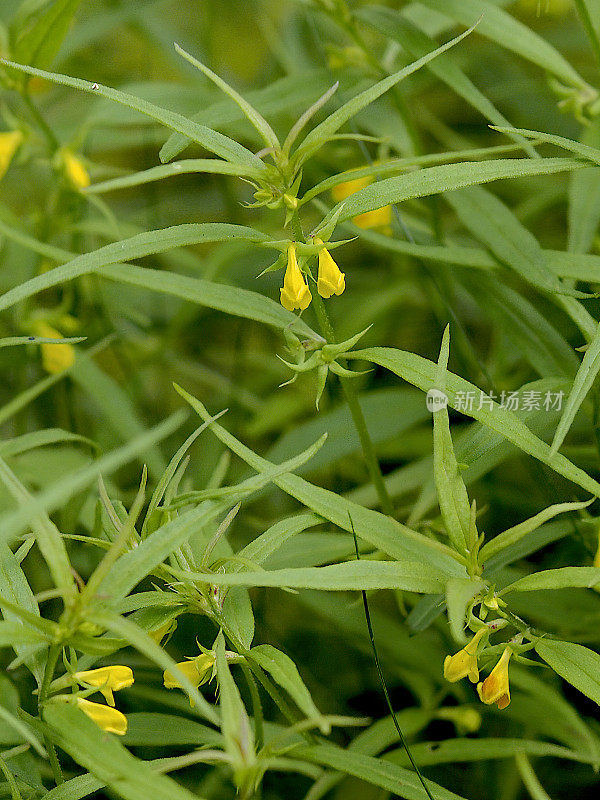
[53, 142]
[382, 677]
[53, 654]
[591, 32]
[351, 396]
[257, 713]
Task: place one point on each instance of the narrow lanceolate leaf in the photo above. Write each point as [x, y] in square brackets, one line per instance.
[39, 41]
[235, 724]
[47, 535]
[511, 536]
[381, 531]
[445, 178]
[563, 578]
[106, 758]
[348, 576]
[213, 141]
[395, 25]
[188, 166]
[576, 664]
[139, 246]
[283, 670]
[451, 489]
[256, 120]
[422, 373]
[15, 588]
[334, 122]
[584, 380]
[459, 593]
[584, 198]
[508, 32]
[13, 523]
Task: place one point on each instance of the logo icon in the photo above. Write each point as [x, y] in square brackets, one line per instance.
[436, 400]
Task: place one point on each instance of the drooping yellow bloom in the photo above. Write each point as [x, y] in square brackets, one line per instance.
[196, 671]
[9, 144]
[107, 680]
[107, 718]
[464, 662]
[55, 357]
[75, 171]
[495, 688]
[158, 634]
[379, 218]
[295, 292]
[330, 279]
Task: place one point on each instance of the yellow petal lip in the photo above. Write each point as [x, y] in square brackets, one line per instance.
[196, 671]
[107, 680]
[295, 293]
[464, 663]
[55, 357]
[9, 144]
[75, 170]
[330, 279]
[495, 688]
[107, 718]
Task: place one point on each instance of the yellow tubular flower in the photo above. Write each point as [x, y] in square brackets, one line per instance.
[495, 688]
[197, 671]
[295, 292]
[330, 279]
[55, 357]
[379, 218]
[76, 172]
[464, 662]
[107, 680]
[9, 144]
[105, 717]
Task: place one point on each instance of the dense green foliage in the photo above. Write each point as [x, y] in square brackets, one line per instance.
[197, 482]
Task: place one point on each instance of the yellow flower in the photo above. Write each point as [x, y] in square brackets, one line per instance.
[9, 144]
[76, 173]
[295, 292]
[107, 718]
[107, 680]
[330, 280]
[55, 357]
[379, 218]
[495, 688]
[158, 634]
[196, 671]
[464, 662]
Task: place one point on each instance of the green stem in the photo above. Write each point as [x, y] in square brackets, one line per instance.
[53, 142]
[351, 397]
[53, 654]
[591, 32]
[257, 713]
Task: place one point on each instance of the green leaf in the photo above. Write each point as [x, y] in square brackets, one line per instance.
[381, 531]
[340, 116]
[578, 665]
[410, 576]
[15, 588]
[188, 166]
[584, 380]
[584, 199]
[459, 593]
[235, 725]
[513, 535]
[216, 142]
[503, 28]
[395, 779]
[284, 672]
[422, 373]
[444, 178]
[451, 490]
[563, 578]
[47, 535]
[396, 26]
[106, 758]
[39, 41]
[256, 120]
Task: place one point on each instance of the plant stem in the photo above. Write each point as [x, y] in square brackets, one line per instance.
[53, 654]
[591, 32]
[53, 142]
[358, 418]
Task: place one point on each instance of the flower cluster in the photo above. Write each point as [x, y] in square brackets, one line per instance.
[495, 688]
[295, 293]
[105, 680]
